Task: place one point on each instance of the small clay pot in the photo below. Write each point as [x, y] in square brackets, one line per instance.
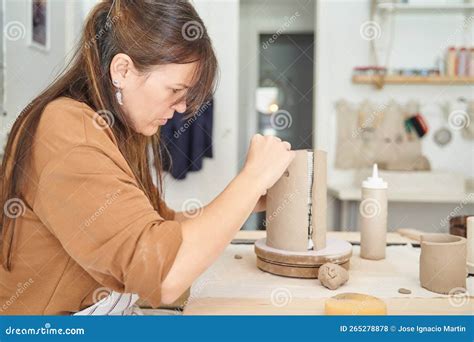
[442, 262]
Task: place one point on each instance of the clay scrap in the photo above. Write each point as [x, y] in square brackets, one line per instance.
[403, 290]
[332, 276]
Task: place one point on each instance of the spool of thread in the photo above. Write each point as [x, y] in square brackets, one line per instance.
[471, 62]
[451, 61]
[470, 244]
[462, 64]
[418, 124]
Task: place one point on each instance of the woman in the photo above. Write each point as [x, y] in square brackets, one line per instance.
[81, 210]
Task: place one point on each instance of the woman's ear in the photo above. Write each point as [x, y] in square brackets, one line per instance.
[122, 70]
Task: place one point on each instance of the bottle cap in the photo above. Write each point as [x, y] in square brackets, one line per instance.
[374, 181]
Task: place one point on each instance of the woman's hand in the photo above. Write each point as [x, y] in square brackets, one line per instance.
[267, 159]
[261, 204]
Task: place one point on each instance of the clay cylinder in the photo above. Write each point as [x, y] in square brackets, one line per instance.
[319, 201]
[373, 223]
[287, 213]
[442, 262]
[470, 244]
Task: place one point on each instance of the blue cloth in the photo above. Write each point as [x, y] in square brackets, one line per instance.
[188, 141]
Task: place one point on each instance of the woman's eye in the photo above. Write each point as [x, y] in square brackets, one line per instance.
[176, 91]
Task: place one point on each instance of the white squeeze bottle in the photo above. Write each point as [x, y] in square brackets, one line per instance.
[373, 217]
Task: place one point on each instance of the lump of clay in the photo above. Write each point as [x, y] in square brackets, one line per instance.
[332, 276]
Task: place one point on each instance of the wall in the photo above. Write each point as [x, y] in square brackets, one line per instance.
[29, 70]
[419, 36]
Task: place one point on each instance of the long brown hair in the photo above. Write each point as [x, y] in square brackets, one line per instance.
[151, 32]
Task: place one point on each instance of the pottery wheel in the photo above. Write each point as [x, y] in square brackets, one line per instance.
[301, 264]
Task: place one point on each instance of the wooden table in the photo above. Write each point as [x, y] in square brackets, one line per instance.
[220, 291]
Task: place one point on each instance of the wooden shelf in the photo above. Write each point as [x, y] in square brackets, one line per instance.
[393, 7]
[380, 80]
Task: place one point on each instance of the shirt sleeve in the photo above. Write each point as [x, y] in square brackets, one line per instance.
[106, 223]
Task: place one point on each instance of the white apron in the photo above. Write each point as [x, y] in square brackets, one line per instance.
[115, 304]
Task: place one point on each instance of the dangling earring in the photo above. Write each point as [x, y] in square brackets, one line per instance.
[118, 92]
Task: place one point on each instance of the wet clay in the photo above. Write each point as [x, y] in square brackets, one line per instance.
[332, 276]
[470, 244]
[287, 214]
[443, 262]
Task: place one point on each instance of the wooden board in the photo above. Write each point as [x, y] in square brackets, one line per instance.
[292, 271]
[395, 79]
[301, 264]
[305, 306]
[337, 251]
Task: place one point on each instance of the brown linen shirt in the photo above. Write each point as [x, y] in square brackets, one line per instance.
[86, 223]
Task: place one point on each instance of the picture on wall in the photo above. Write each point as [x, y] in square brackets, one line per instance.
[40, 24]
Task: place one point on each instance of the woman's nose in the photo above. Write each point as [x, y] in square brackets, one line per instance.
[180, 107]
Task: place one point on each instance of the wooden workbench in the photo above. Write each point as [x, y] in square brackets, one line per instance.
[234, 286]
